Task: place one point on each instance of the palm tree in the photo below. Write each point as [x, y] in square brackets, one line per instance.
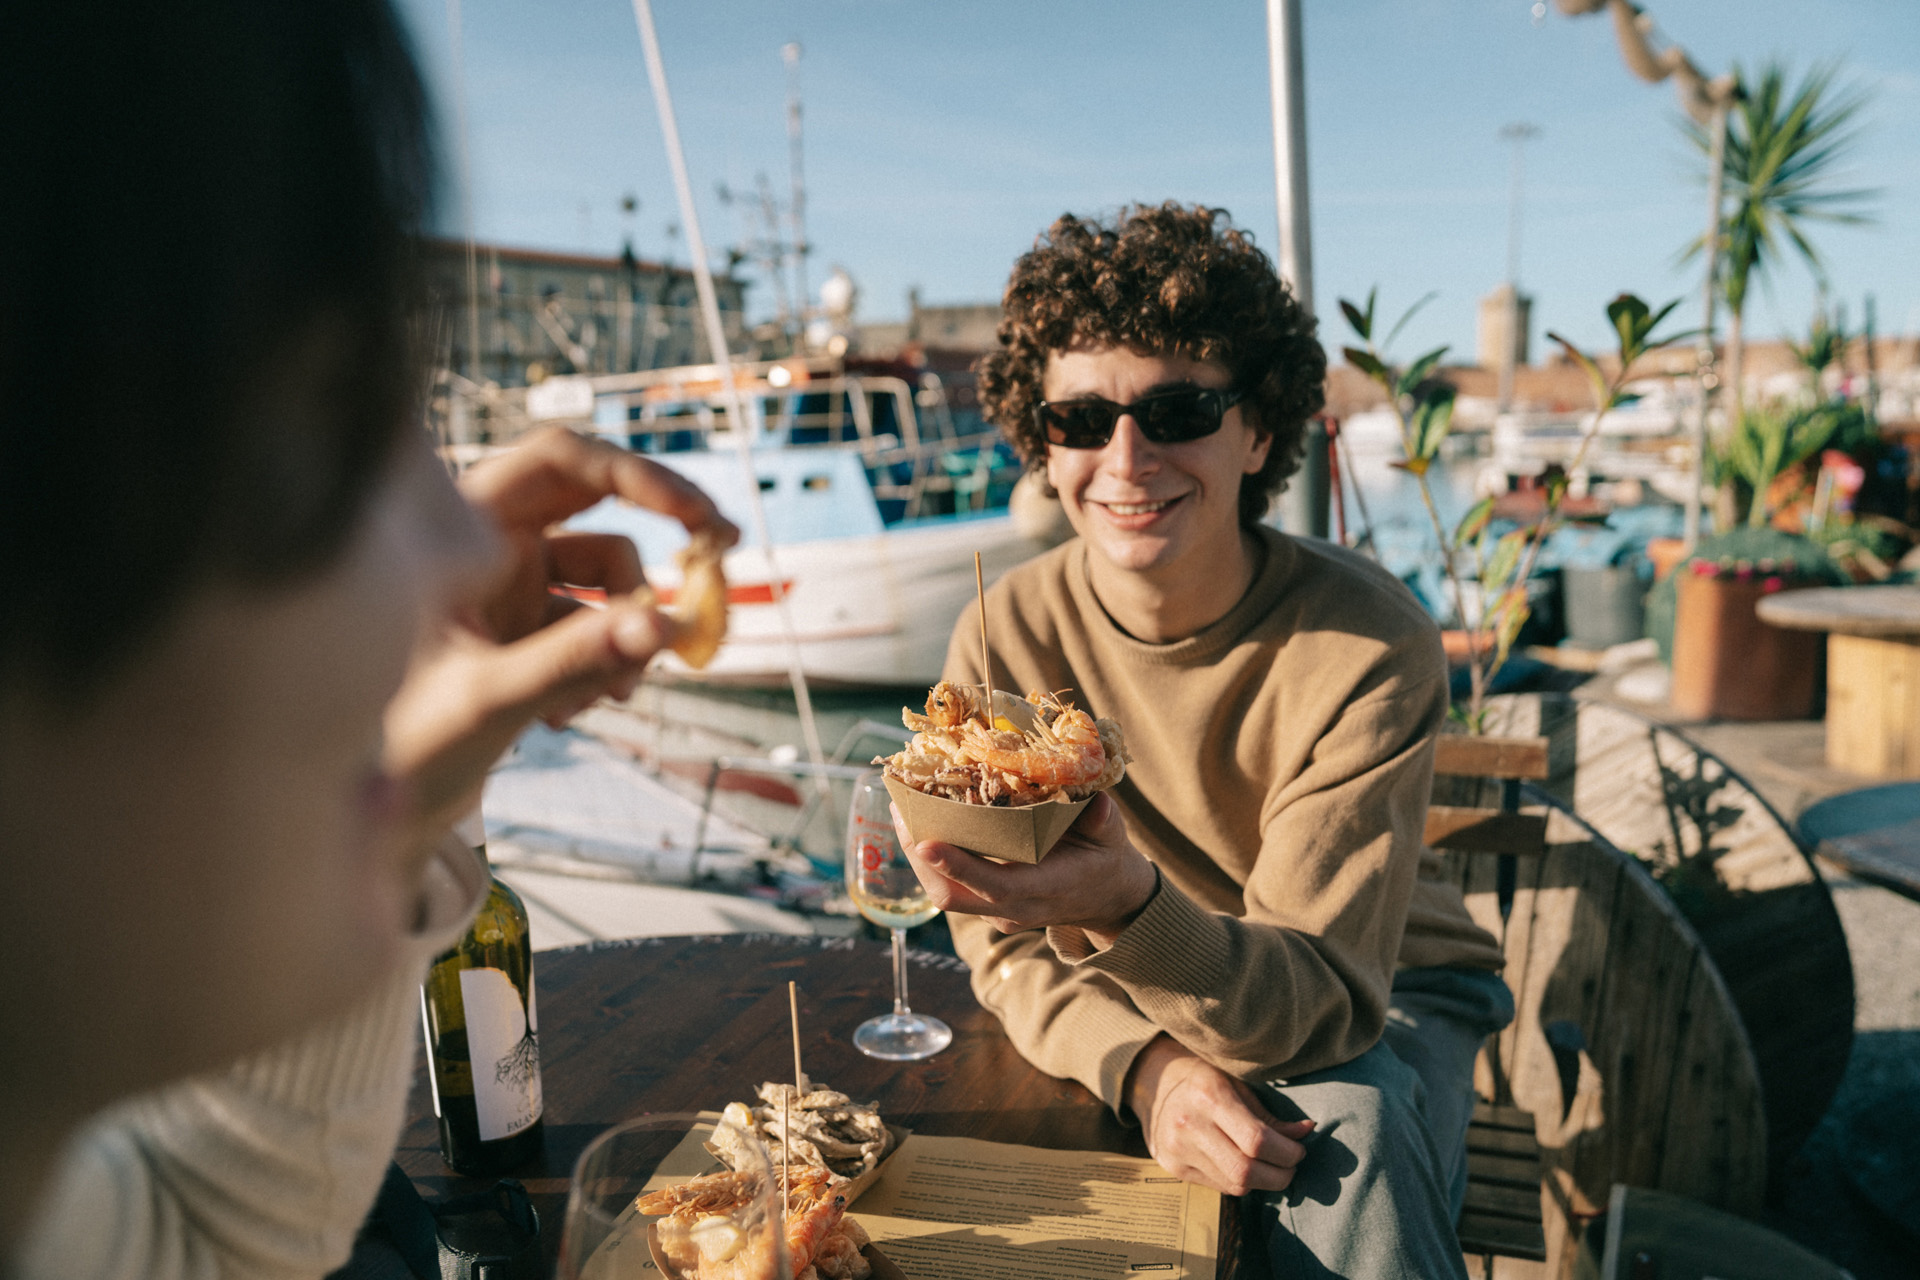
[1782, 149]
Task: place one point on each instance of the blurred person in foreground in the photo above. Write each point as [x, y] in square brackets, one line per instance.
[1244, 945]
[256, 651]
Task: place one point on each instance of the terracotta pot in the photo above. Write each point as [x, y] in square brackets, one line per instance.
[1729, 665]
[1665, 553]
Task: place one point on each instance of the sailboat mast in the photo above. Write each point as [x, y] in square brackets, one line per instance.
[797, 206]
[723, 360]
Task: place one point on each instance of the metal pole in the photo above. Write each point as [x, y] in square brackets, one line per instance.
[797, 208]
[1697, 445]
[1303, 507]
[730, 389]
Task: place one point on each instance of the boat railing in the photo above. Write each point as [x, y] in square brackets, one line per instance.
[836, 768]
[916, 452]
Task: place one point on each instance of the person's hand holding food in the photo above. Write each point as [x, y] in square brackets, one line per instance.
[521, 650]
[1030, 751]
[1093, 880]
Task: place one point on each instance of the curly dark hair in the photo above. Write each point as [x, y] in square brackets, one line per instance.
[1160, 280]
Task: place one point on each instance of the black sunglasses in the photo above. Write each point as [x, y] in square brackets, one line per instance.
[1165, 417]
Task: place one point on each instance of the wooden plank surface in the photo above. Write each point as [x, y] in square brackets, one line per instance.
[681, 1024]
[1765, 916]
[1478, 756]
[1477, 830]
[1873, 706]
[1718, 1153]
[1506, 1170]
[1482, 1232]
[1888, 856]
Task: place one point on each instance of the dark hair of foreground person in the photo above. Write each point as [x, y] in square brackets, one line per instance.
[208, 210]
[1160, 280]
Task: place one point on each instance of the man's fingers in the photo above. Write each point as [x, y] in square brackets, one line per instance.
[607, 560]
[949, 894]
[557, 473]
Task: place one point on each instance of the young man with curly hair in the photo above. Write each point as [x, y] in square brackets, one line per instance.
[1244, 945]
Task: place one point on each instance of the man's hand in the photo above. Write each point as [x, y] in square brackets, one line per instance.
[518, 651]
[1094, 879]
[1204, 1126]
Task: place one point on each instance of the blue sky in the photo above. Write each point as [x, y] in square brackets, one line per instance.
[940, 138]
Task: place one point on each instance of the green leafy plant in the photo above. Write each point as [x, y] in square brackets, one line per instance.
[1500, 565]
[1771, 439]
[1825, 346]
[1783, 146]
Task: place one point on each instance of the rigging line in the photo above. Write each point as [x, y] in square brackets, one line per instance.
[730, 389]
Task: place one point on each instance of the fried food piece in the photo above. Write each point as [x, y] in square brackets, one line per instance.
[701, 610]
[702, 1234]
[1032, 752]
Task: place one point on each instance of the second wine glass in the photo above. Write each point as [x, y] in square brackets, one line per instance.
[884, 887]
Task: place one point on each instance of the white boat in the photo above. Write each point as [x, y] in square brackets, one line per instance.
[877, 495]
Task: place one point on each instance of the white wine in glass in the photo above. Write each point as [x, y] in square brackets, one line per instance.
[882, 884]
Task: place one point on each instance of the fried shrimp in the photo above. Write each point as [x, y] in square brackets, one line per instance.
[949, 706]
[1034, 751]
[1066, 753]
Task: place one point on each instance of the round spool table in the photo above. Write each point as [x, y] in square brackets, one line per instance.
[1873, 672]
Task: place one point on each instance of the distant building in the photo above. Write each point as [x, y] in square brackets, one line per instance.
[961, 327]
[1497, 331]
[543, 313]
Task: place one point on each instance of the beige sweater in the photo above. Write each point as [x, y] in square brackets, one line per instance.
[1282, 764]
[267, 1169]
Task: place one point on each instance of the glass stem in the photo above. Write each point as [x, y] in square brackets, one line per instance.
[900, 973]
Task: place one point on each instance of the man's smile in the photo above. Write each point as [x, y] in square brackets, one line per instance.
[1138, 508]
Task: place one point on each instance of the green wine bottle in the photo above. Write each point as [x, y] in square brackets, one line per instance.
[483, 1048]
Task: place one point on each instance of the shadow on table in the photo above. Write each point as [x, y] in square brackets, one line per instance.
[1070, 1258]
[1078, 1129]
[1853, 1193]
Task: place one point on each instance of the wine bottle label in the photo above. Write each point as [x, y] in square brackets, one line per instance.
[503, 1039]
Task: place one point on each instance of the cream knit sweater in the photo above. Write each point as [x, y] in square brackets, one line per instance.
[1282, 765]
[264, 1170]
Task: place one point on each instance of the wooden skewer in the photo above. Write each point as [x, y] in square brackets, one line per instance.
[786, 1140]
[986, 654]
[793, 1005]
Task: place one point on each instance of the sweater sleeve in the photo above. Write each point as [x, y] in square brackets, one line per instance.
[1301, 980]
[265, 1169]
[1076, 1023]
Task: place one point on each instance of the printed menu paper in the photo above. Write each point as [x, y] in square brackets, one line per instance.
[962, 1209]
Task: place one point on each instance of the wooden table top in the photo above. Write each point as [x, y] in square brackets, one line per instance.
[1886, 856]
[685, 1024]
[1854, 611]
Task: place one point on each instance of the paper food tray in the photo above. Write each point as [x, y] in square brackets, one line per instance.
[1023, 834]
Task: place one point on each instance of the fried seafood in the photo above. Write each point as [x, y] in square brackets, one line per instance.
[1036, 750]
[702, 1233]
[702, 601]
[821, 1129]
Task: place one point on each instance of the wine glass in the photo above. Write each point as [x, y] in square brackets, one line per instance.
[883, 885]
[604, 1235]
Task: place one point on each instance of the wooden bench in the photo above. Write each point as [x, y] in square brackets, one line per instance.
[1626, 1062]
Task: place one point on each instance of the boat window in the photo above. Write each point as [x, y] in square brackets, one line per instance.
[817, 483]
[768, 484]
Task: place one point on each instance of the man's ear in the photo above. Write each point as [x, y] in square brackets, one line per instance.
[1258, 448]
